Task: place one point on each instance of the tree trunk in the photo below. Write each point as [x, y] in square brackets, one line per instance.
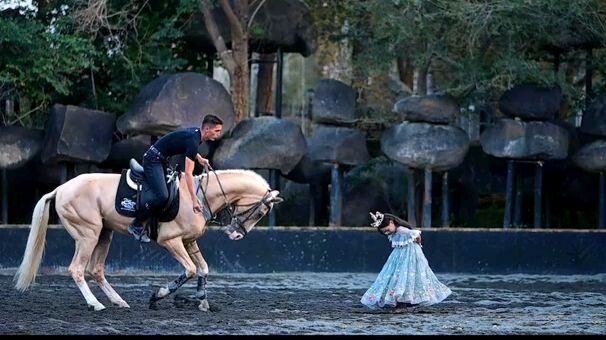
[430, 85]
[419, 87]
[265, 83]
[405, 71]
[236, 60]
[240, 81]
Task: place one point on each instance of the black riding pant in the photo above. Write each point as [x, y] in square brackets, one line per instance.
[154, 167]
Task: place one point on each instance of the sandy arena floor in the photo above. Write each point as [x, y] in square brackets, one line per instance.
[309, 303]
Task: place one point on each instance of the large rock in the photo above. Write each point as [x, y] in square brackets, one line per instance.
[591, 157]
[425, 146]
[122, 151]
[285, 24]
[309, 171]
[511, 138]
[176, 101]
[262, 143]
[333, 102]
[338, 144]
[594, 119]
[531, 102]
[77, 134]
[18, 145]
[431, 109]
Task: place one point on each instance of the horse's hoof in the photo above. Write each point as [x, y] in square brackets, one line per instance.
[96, 307]
[122, 304]
[204, 306]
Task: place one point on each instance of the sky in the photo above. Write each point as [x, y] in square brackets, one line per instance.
[4, 4]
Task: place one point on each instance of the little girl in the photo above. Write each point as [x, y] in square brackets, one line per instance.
[406, 277]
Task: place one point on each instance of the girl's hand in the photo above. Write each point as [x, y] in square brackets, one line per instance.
[418, 240]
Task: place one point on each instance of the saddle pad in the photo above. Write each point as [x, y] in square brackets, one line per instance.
[126, 197]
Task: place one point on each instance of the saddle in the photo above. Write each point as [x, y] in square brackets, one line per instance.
[133, 192]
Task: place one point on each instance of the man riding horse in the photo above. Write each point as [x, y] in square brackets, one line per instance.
[155, 162]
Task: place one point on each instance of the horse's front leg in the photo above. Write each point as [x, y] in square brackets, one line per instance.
[176, 248]
[202, 273]
[96, 267]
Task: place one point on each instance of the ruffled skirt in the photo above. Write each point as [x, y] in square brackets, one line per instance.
[405, 278]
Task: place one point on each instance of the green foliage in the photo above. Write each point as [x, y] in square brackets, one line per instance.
[39, 66]
[96, 59]
[137, 51]
[480, 47]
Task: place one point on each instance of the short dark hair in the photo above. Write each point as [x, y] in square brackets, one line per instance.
[211, 120]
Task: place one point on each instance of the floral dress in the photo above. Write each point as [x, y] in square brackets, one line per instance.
[406, 276]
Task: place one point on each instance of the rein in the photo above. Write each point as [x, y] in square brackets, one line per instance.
[239, 224]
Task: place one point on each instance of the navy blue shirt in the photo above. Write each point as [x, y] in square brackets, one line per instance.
[180, 142]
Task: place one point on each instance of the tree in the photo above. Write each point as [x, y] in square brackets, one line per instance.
[39, 66]
[474, 47]
[235, 60]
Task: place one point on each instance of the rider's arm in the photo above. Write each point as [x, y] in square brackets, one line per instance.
[202, 160]
[189, 179]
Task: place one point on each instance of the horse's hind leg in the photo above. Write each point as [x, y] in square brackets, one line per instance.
[96, 267]
[86, 240]
[176, 248]
[202, 273]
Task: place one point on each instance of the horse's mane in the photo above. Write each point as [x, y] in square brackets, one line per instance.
[238, 171]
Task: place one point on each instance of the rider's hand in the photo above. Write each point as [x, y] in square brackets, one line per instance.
[418, 239]
[204, 162]
[197, 208]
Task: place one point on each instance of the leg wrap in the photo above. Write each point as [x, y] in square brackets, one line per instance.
[201, 289]
[178, 282]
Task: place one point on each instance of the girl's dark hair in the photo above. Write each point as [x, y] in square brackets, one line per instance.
[396, 220]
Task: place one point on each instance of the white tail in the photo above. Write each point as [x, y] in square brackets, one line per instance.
[35, 243]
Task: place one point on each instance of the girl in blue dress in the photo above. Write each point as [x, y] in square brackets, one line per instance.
[406, 277]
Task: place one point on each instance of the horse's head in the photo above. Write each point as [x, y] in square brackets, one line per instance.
[248, 210]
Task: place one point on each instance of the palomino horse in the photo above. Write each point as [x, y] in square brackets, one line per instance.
[85, 205]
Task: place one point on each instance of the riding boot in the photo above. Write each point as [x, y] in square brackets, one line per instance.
[137, 229]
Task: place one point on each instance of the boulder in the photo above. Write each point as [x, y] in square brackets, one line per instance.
[262, 143]
[431, 109]
[423, 145]
[591, 157]
[77, 134]
[309, 171]
[176, 101]
[338, 144]
[511, 138]
[122, 152]
[333, 102]
[18, 145]
[531, 102]
[594, 119]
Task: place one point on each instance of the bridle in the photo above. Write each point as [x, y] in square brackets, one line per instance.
[237, 223]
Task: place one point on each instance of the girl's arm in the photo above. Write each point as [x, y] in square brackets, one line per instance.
[414, 233]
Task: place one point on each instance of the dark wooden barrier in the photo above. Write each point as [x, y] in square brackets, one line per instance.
[342, 249]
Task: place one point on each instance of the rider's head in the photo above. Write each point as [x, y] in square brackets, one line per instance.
[211, 127]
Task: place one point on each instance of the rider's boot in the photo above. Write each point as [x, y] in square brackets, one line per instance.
[137, 229]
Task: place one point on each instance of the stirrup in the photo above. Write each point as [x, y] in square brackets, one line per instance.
[138, 233]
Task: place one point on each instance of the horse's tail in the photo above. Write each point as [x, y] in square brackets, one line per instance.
[35, 243]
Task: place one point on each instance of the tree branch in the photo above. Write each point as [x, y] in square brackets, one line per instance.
[218, 41]
[252, 17]
[234, 23]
